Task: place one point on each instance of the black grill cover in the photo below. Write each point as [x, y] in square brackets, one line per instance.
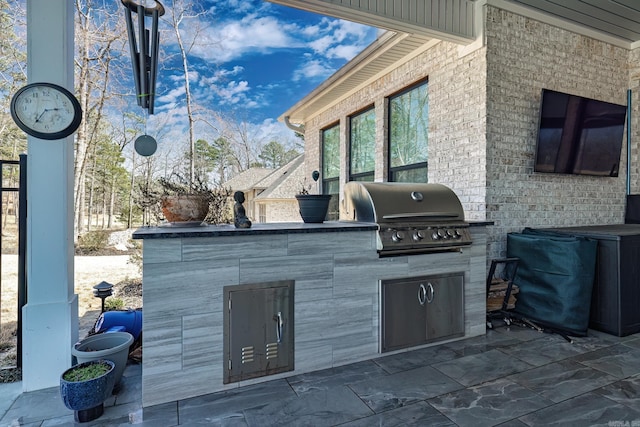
[555, 276]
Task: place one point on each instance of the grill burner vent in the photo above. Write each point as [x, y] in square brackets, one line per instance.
[412, 217]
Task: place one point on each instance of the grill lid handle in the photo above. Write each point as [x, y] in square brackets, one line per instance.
[430, 215]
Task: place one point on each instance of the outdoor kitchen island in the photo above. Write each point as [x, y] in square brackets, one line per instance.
[334, 274]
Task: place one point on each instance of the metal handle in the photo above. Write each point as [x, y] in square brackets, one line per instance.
[279, 326]
[422, 294]
[430, 293]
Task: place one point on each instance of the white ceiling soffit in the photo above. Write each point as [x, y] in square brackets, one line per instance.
[613, 21]
[450, 20]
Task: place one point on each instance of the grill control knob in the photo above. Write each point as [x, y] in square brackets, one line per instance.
[452, 233]
[397, 236]
[435, 235]
[442, 234]
[418, 235]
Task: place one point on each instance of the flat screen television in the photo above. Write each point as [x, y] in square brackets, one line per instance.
[579, 135]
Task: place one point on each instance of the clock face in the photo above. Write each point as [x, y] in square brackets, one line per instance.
[46, 111]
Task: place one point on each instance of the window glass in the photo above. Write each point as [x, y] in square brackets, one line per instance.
[362, 143]
[330, 159]
[331, 168]
[408, 134]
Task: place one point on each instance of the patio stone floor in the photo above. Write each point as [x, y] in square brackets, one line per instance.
[512, 376]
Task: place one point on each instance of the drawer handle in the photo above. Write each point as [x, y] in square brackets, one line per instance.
[422, 294]
[431, 293]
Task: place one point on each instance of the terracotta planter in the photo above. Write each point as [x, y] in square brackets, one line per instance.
[86, 398]
[313, 207]
[186, 208]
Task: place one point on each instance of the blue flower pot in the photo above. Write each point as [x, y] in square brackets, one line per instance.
[86, 398]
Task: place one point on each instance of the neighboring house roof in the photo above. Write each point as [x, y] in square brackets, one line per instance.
[248, 179]
[285, 182]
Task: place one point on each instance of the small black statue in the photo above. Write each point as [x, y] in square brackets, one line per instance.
[240, 219]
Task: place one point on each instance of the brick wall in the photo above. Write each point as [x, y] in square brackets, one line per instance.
[456, 130]
[483, 114]
[524, 56]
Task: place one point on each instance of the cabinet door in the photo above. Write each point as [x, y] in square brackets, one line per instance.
[445, 307]
[260, 331]
[403, 315]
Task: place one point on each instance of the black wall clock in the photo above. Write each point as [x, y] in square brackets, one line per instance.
[46, 111]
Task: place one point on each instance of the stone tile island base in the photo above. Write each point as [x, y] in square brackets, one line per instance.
[337, 274]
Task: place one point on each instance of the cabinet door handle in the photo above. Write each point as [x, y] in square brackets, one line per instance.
[422, 294]
[431, 293]
[279, 326]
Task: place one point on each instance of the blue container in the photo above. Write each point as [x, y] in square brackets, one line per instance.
[120, 321]
[86, 398]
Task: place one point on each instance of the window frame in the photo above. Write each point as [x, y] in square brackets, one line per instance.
[328, 180]
[368, 175]
[393, 171]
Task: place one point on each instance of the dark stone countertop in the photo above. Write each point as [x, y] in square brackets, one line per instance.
[208, 230]
[170, 231]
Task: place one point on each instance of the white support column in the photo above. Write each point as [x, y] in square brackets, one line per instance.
[50, 318]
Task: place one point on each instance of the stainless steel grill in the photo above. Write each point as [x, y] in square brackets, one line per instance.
[412, 217]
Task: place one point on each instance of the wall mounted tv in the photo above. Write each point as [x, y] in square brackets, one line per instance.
[579, 135]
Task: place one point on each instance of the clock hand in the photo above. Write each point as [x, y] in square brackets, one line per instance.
[40, 116]
[45, 110]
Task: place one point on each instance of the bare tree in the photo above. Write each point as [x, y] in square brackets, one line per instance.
[99, 37]
[181, 12]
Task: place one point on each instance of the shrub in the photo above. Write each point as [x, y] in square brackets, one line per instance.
[112, 304]
[93, 241]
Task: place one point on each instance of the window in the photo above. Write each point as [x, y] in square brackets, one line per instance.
[262, 212]
[408, 135]
[362, 144]
[331, 168]
[331, 160]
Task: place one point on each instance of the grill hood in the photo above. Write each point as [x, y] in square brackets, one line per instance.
[398, 202]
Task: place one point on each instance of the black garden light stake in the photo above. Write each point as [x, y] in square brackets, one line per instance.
[144, 49]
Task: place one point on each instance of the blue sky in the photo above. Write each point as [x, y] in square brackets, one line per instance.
[254, 59]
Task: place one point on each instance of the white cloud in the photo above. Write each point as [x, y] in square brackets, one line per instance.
[231, 40]
[171, 96]
[312, 70]
[233, 93]
[230, 45]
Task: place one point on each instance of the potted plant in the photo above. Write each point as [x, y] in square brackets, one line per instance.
[313, 207]
[184, 202]
[113, 346]
[84, 388]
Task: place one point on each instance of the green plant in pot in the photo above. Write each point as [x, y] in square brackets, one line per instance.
[313, 207]
[84, 388]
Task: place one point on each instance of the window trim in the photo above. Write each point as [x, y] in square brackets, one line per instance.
[324, 179]
[391, 170]
[353, 176]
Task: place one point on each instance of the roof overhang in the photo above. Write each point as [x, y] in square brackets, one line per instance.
[613, 21]
[378, 58]
[451, 20]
